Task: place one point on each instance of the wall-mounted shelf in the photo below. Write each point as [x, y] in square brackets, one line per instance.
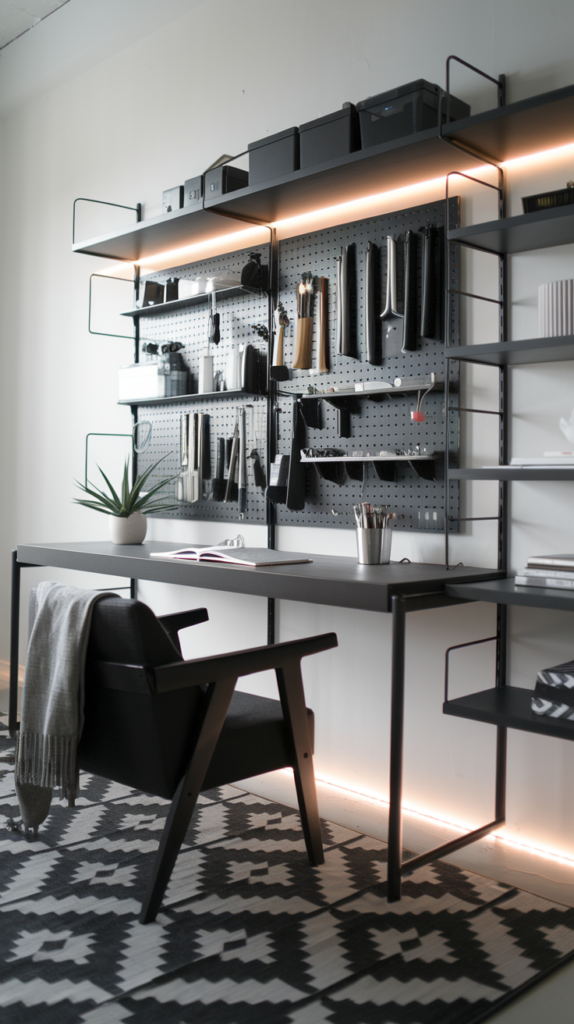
[519, 129]
[191, 300]
[343, 394]
[381, 168]
[529, 231]
[175, 399]
[372, 458]
[516, 353]
[158, 235]
[515, 473]
[535, 124]
[508, 706]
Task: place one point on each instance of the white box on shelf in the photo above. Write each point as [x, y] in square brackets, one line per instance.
[141, 380]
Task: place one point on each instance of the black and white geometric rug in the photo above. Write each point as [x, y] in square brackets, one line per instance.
[249, 933]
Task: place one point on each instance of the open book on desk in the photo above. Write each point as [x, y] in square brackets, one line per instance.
[232, 555]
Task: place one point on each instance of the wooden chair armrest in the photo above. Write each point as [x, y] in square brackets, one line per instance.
[180, 620]
[201, 671]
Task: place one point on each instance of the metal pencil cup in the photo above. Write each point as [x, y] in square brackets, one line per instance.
[374, 545]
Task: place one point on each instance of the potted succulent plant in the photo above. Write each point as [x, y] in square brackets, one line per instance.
[128, 523]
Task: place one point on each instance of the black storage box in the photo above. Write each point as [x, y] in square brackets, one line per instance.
[329, 137]
[410, 108]
[193, 191]
[275, 155]
[224, 179]
[549, 200]
[172, 199]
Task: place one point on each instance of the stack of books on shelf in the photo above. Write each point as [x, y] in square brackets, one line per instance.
[552, 571]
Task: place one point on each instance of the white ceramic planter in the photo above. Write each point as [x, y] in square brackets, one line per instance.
[128, 529]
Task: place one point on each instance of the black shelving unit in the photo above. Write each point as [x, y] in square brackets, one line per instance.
[496, 136]
[510, 130]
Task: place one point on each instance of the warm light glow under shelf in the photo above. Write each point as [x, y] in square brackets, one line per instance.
[340, 209]
[377, 799]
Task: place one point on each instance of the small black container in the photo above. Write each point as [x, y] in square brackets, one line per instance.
[549, 200]
[172, 199]
[222, 179]
[193, 191]
[273, 156]
[329, 137]
[403, 111]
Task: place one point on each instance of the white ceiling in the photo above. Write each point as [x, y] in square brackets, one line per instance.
[78, 36]
[17, 16]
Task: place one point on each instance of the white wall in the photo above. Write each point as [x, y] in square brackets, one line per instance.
[125, 119]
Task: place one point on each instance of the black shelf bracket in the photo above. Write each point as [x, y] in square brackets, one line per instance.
[102, 202]
[105, 334]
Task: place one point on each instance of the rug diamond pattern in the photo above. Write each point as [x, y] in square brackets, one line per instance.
[248, 932]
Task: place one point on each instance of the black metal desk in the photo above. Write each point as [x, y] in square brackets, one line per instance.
[340, 582]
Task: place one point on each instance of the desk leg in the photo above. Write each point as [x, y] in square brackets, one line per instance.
[134, 589]
[14, 637]
[396, 773]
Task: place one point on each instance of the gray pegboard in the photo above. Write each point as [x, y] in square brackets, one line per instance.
[189, 326]
[376, 425]
[165, 422]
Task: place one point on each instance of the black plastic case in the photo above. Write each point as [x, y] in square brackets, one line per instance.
[329, 137]
[403, 111]
[193, 191]
[224, 179]
[273, 156]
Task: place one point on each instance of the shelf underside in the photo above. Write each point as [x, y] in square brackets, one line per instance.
[175, 399]
[508, 706]
[505, 591]
[515, 473]
[540, 230]
[516, 353]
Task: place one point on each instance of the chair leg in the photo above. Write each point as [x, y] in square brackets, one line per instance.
[290, 684]
[185, 799]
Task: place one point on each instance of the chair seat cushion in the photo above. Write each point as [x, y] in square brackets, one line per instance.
[145, 740]
[253, 740]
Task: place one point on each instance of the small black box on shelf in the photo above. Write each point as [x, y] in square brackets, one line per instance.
[549, 200]
[171, 289]
[405, 110]
[224, 178]
[329, 137]
[153, 293]
[172, 199]
[274, 155]
[193, 191]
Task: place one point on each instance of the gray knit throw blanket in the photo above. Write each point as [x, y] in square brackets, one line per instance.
[52, 715]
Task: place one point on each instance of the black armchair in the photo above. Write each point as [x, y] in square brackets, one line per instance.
[174, 728]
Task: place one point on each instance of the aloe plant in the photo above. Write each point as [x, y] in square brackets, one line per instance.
[131, 500]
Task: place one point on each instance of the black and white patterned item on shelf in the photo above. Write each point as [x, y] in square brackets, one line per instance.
[554, 692]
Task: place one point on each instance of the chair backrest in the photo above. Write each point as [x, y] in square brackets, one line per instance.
[131, 734]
